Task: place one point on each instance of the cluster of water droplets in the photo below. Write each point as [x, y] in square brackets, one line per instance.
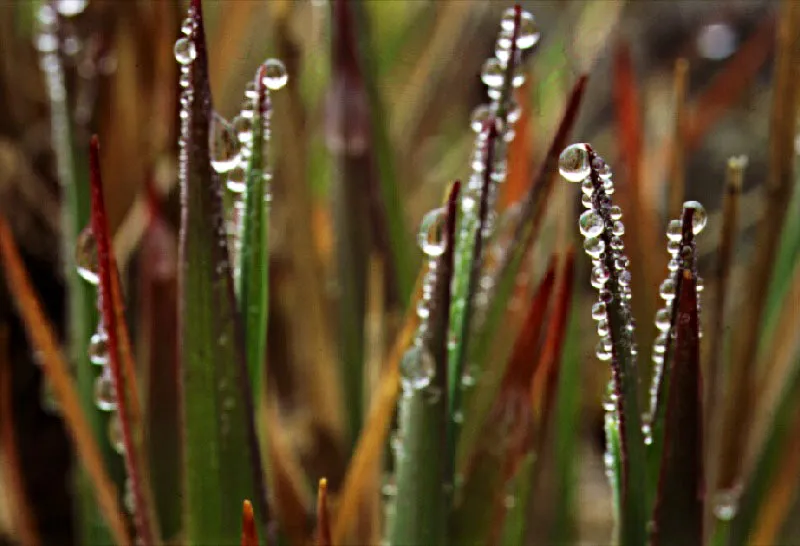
[681, 256]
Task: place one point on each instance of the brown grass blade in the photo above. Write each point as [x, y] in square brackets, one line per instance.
[323, 521]
[519, 152]
[24, 520]
[43, 338]
[677, 179]
[370, 444]
[777, 191]
[249, 533]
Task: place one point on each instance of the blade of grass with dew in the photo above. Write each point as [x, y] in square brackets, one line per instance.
[423, 483]
[507, 435]
[158, 360]
[43, 337]
[323, 532]
[777, 190]
[222, 459]
[679, 505]
[526, 231]
[73, 175]
[126, 396]
[254, 254]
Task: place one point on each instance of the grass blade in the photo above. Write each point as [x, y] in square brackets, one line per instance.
[679, 507]
[423, 483]
[126, 394]
[323, 522]
[221, 451]
[43, 338]
[249, 533]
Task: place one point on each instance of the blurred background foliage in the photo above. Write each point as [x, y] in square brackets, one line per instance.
[424, 58]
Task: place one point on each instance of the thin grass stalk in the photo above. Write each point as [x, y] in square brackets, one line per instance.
[677, 179]
[323, 532]
[249, 532]
[777, 190]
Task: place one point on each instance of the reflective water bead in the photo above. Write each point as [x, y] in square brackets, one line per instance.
[416, 369]
[599, 276]
[591, 223]
[46, 42]
[183, 81]
[185, 51]
[528, 34]
[599, 310]
[104, 396]
[236, 182]
[243, 127]
[675, 230]
[431, 233]
[187, 26]
[616, 243]
[700, 284]
[672, 265]
[699, 218]
[98, 348]
[605, 295]
[663, 319]
[587, 187]
[115, 437]
[602, 327]
[518, 79]
[480, 117]
[615, 212]
[667, 290]
[586, 201]
[618, 228]
[275, 75]
[624, 279]
[660, 344]
[70, 8]
[573, 163]
[224, 145]
[673, 247]
[594, 246]
[603, 350]
[621, 262]
[423, 311]
[86, 256]
[493, 74]
[726, 503]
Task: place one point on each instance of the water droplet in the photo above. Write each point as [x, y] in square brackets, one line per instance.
[594, 246]
[660, 344]
[599, 310]
[591, 223]
[431, 233]
[700, 284]
[528, 34]
[573, 163]
[726, 503]
[275, 75]
[86, 260]
[105, 397]
[616, 243]
[618, 228]
[423, 311]
[674, 231]
[667, 290]
[458, 417]
[98, 347]
[243, 127]
[605, 295]
[184, 82]
[599, 276]
[673, 247]
[236, 182]
[115, 437]
[699, 218]
[602, 327]
[70, 8]
[647, 432]
[185, 51]
[615, 212]
[187, 26]
[624, 279]
[480, 117]
[663, 319]
[46, 42]
[493, 74]
[223, 144]
[416, 369]
[603, 350]
[586, 201]
[621, 262]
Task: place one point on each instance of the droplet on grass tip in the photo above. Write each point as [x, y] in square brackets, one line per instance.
[416, 369]
[573, 163]
[275, 75]
[699, 218]
[431, 233]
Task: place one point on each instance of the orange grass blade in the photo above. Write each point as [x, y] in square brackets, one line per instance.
[249, 534]
[323, 521]
[43, 338]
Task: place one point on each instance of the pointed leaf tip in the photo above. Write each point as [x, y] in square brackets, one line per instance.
[249, 534]
[323, 520]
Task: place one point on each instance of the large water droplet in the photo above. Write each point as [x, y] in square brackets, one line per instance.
[594, 246]
[528, 33]
[185, 51]
[86, 260]
[663, 319]
[115, 437]
[493, 73]
[104, 396]
[573, 163]
[275, 75]
[416, 369]
[236, 182]
[699, 218]
[98, 347]
[726, 504]
[591, 223]
[431, 233]
[70, 8]
[223, 144]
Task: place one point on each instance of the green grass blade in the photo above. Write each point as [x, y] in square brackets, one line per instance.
[679, 506]
[423, 486]
[517, 505]
[73, 174]
[254, 253]
[221, 455]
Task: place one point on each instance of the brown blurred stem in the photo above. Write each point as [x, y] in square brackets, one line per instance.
[677, 164]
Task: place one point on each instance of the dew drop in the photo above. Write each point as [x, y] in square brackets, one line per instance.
[236, 182]
[599, 310]
[185, 51]
[674, 230]
[615, 212]
[699, 218]
[86, 260]
[416, 369]
[480, 117]
[528, 34]
[104, 396]
[602, 327]
[726, 504]
[275, 75]
[603, 350]
[98, 347]
[70, 8]
[647, 432]
[243, 127]
[573, 163]
[594, 246]
[599, 276]
[223, 144]
[586, 200]
[493, 74]
[431, 233]
[663, 319]
[46, 42]
[618, 228]
[115, 437]
[660, 344]
[624, 278]
[587, 187]
[667, 290]
[591, 223]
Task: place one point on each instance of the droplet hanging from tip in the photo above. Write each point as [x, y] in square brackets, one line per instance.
[86, 261]
[431, 233]
[573, 163]
[699, 218]
[275, 75]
